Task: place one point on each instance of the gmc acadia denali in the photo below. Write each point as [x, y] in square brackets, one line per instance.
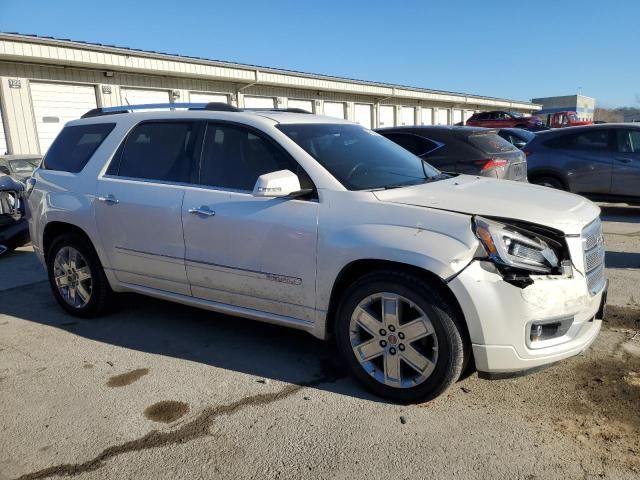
[322, 225]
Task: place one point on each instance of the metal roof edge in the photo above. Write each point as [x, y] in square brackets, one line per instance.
[15, 36]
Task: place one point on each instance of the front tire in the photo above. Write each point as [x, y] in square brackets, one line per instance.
[76, 276]
[400, 337]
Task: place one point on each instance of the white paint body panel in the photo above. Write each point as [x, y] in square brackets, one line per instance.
[55, 104]
[255, 252]
[277, 259]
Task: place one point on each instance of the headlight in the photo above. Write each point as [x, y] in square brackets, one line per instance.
[514, 247]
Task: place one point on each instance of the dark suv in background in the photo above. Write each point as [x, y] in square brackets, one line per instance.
[474, 151]
[601, 162]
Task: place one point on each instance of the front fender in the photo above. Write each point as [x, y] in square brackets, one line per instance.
[437, 252]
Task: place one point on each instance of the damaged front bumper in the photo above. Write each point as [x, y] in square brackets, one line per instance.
[515, 329]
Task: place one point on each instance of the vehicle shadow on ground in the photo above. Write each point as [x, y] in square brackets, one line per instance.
[620, 214]
[622, 260]
[165, 328]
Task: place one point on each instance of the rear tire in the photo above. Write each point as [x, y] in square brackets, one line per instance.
[76, 276]
[550, 182]
[410, 357]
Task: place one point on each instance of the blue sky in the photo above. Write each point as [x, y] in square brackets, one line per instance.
[511, 49]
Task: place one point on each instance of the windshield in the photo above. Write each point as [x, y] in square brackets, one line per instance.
[515, 114]
[359, 158]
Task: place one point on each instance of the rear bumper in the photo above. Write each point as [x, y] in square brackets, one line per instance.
[500, 318]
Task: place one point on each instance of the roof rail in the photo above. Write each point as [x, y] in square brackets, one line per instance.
[212, 106]
[288, 110]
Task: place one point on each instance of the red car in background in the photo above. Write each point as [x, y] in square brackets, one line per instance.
[499, 119]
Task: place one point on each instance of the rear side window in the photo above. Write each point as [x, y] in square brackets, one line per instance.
[589, 140]
[74, 146]
[415, 144]
[491, 143]
[163, 151]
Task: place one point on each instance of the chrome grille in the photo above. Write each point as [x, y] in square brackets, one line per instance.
[593, 249]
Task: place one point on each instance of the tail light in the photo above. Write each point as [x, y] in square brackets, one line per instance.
[492, 163]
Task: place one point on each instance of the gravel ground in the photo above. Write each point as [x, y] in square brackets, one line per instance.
[157, 390]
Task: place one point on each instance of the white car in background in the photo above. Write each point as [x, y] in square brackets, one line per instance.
[322, 225]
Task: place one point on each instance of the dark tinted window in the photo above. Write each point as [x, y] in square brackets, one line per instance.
[158, 151]
[359, 158]
[491, 143]
[73, 147]
[628, 141]
[589, 140]
[234, 157]
[415, 144]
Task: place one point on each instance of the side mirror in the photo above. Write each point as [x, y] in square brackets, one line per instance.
[277, 184]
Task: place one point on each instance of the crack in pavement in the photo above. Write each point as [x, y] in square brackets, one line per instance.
[196, 428]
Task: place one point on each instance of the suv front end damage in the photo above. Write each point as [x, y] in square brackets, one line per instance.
[550, 289]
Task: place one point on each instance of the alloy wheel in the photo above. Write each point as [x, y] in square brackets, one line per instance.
[72, 277]
[393, 340]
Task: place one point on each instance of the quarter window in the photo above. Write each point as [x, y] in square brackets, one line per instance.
[161, 151]
[234, 157]
[75, 145]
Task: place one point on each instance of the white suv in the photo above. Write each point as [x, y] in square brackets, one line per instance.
[322, 225]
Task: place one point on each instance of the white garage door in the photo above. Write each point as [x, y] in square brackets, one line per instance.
[303, 104]
[3, 138]
[134, 96]
[334, 109]
[457, 116]
[362, 114]
[443, 116]
[55, 104]
[427, 116]
[259, 102]
[387, 116]
[408, 116]
[195, 97]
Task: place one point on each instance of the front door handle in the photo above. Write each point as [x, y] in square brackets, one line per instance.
[109, 199]
[203, 211]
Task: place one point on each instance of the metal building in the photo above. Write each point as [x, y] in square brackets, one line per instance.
[582, 105]
[45, 82]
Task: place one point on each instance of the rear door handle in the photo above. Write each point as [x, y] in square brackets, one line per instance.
[109, 199]
[203, 211]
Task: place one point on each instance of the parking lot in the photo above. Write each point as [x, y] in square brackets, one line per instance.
[159, 390]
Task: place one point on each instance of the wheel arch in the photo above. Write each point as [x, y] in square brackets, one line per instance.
[549, 172]
[56, 228]
[358, 268]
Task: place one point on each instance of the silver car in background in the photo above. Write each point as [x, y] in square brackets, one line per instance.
[600, 162]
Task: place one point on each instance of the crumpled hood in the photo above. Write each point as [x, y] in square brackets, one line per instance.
[563, 211]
